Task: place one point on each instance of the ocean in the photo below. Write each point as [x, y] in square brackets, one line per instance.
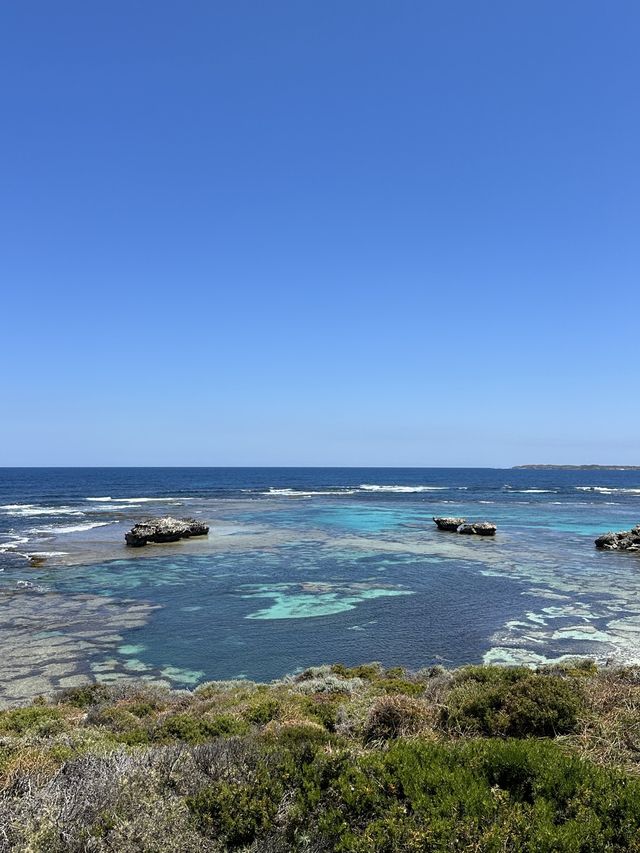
[304, 566]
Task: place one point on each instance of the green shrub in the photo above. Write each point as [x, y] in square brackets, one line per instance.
[323, 708]
[123, 726]
[134, 737]
[186, 727]
[395, 672]
[36, 719]
[84, 696]
[578, 668]
[237, 812]
[115, 718]
[366, 671]
[302, 741]
[483, 795]
[402, 685]
[239, 809]
[263, 712]
[515, 703]
[297, 787]
[498, 675]
[143, 709]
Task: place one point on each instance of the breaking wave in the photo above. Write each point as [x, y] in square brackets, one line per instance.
[28, 510]
[367, 487]
[298, 493]
[135, 500]
[608, 490]
[70, 528]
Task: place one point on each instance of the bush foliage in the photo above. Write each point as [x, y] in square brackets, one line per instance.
[353, 759]
[512, 702]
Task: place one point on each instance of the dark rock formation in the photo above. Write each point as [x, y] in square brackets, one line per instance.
[625, 540]
[451, 524]
[459, 525]
[165, 529]
[479, 528]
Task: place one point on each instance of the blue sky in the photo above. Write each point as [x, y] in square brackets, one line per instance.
[304, 233]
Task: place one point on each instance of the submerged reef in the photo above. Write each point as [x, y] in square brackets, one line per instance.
[460, 525]
[166, 529]
[362, 759]
[625, 540]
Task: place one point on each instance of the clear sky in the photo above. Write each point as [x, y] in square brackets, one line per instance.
[319, 233]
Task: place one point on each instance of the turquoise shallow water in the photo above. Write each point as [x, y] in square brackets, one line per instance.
[263, 613]
[308, 566]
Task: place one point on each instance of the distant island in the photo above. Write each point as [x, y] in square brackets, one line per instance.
[577, 467]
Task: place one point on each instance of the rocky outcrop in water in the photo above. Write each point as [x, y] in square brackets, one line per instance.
[446, 523]
[459, 525]
[625, 540]
[165, 529]
[478, 528]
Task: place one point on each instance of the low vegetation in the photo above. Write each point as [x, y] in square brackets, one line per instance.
[353, 759]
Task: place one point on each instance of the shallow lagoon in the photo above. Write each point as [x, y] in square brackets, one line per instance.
[294, 579]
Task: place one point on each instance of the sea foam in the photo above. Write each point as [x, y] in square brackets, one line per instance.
[298, 493]
[70, 528]
[608, 490]
[135, 500]
[372, 487]
[15, 542]
[28, 510]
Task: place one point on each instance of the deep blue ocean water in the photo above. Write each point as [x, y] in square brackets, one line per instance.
[305, 566]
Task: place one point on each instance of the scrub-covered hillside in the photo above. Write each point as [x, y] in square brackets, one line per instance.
[354, 759]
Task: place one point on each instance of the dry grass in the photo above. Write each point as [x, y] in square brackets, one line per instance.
[609, 727]
[397, 716]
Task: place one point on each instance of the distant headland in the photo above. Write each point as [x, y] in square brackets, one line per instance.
[578, 467]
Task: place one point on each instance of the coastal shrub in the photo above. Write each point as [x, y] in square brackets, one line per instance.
[310, 672]
[402, 685]
[513, 703]
[7, 749]
[83, 696]
[302, 740]
[574, 667]
[263, 712]
[27, 767]
[42, 720]
[244, 803]
[365, 671]
[190, 729]
[395, 716]
[481, 795]
[157, 825]
[394, 672]
[331, 684]
[609, 726]
[237, 812]
[323, 708]
[499, 675]
[238, 688]
[133, 737]
[143, 709]
[625, 674]
[383, 782]
[115, 718]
